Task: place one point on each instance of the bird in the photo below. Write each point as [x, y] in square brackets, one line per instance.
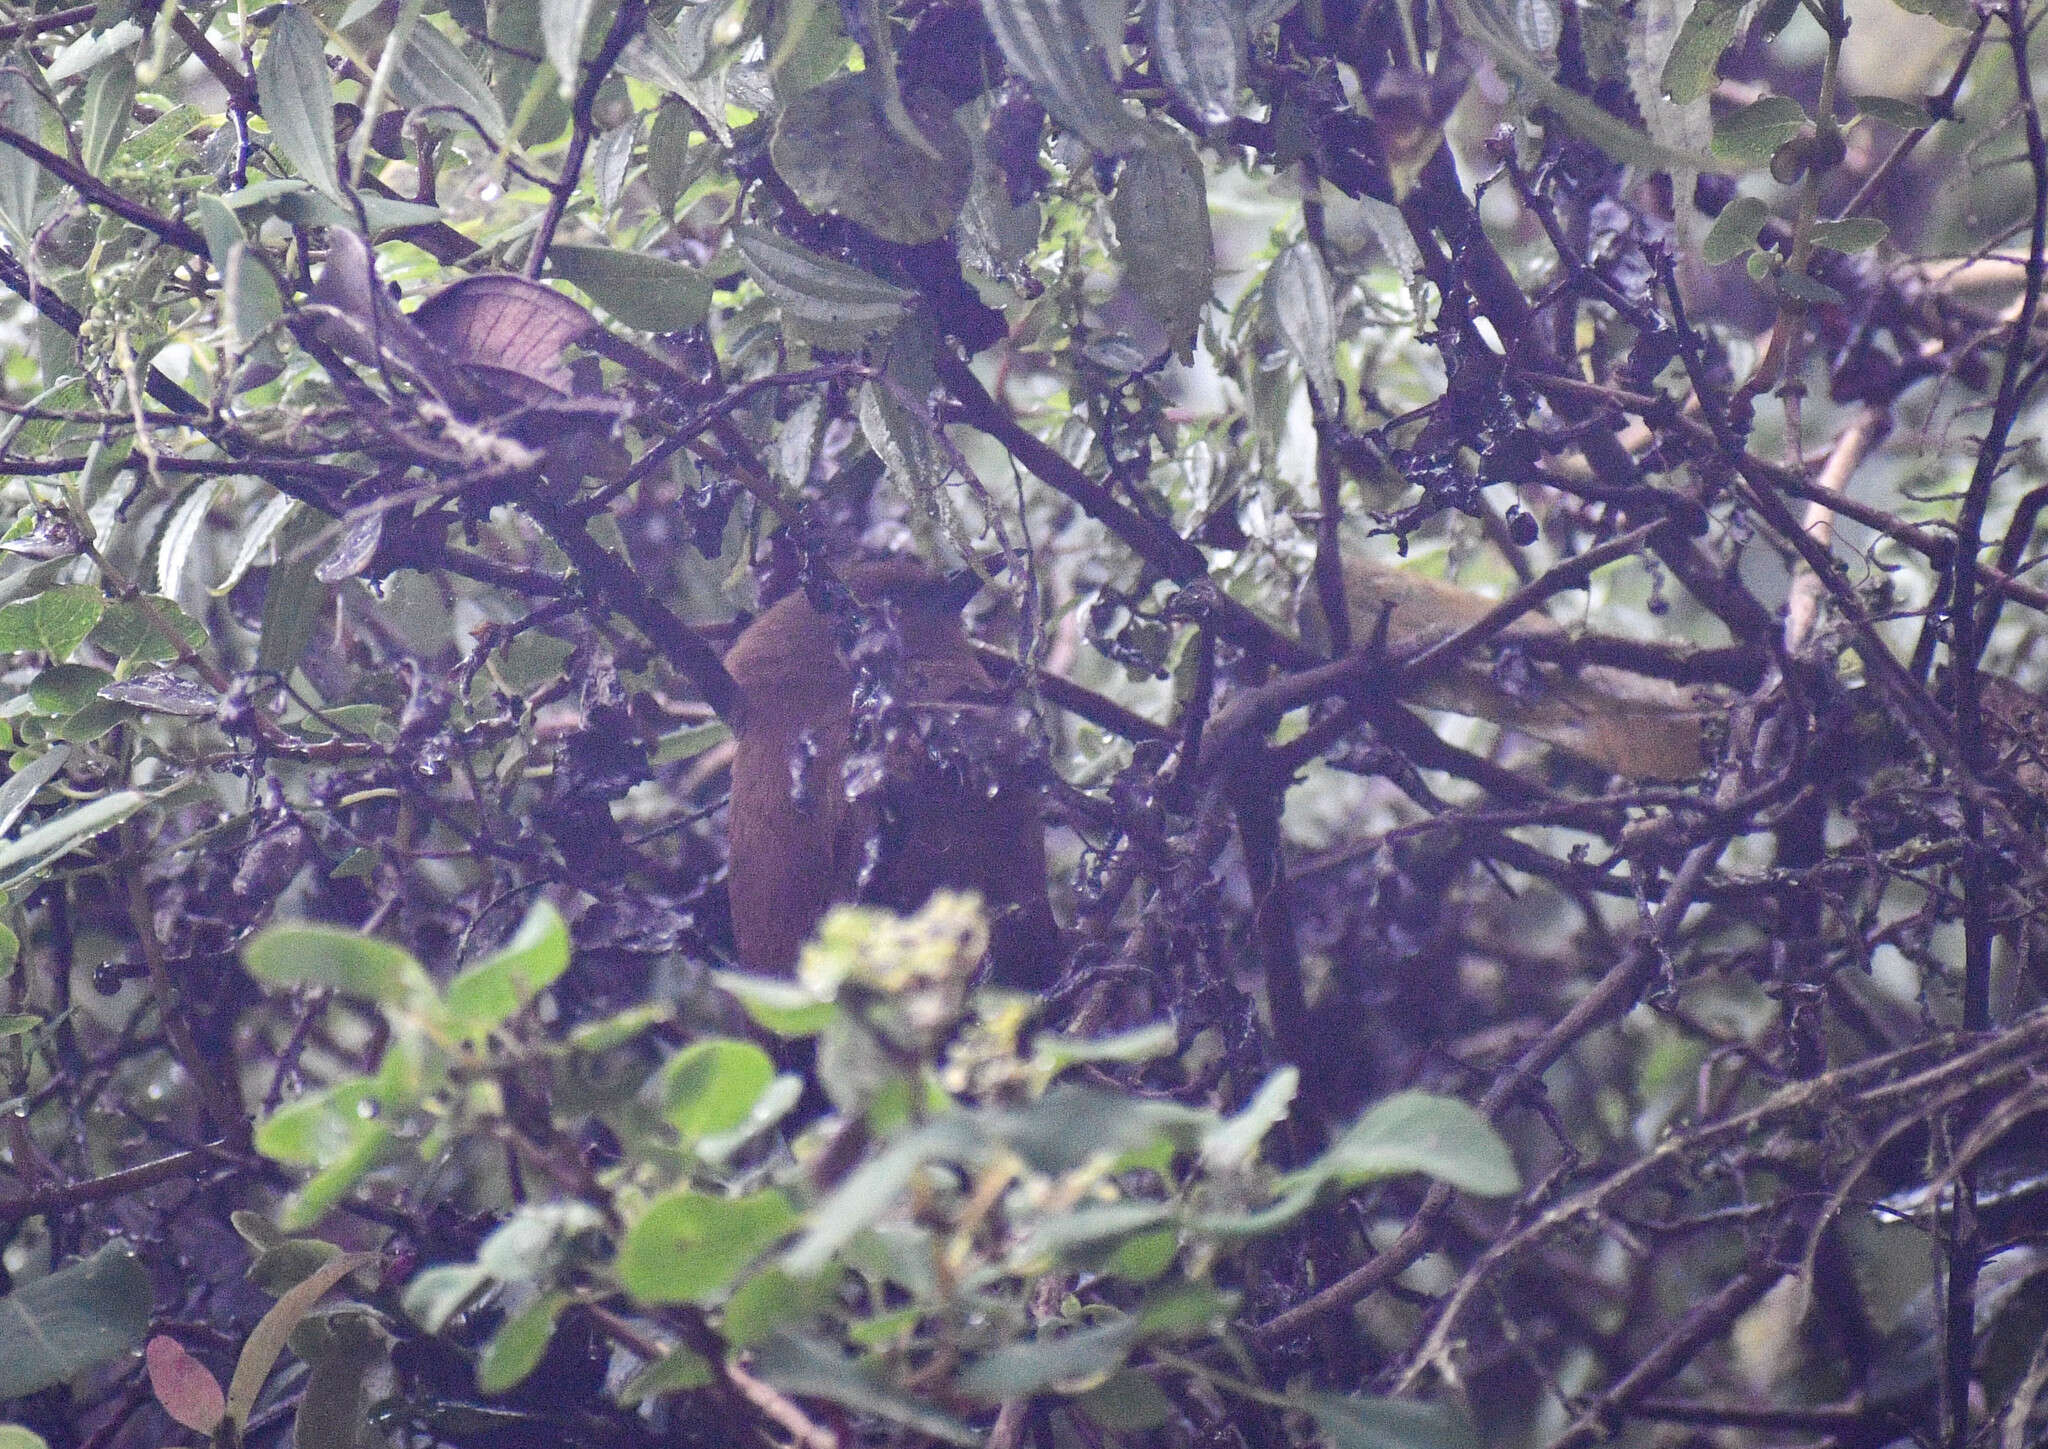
[1637, 728]
[938, 794]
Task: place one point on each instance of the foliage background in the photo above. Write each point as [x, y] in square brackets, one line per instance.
[1413, 1080]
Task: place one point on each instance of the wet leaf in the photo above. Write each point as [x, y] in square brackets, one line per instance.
[1161, 211]
[1852, 234]
[827, 302]
[1198, 47]
[298, 98]
[641, 290]
[836, 148]
[1297, 302]
[163, 692]
[1752, 133]
[54, 622]
[1048, 42]
[435, 78]
[1735, 230]
[82, 1314]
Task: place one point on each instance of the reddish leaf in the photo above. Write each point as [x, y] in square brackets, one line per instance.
[184, 1386]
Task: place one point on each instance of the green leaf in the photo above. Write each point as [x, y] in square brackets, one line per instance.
[1198, 49]
[298, 98]
[54, 622]
[103, 119]
[433, 74]
[839, 153]
[344, 1349]
[1049, 43]
[1018, 1370]
[827, 302]
[1296, 300]
[267, 1339]
[30, 776]
[1958, 14]
[712, 1086]
[302, 954]
[251, 541]
[180, 530]
[1386, 1423]
[1690, 68]
[92, 48]
[15, 1023]
[84, 1313]
[1803, 288]
[1905, 115]
[21, 180]
[690, 741]
[437, 1294]
[814, 1370]
[1129, 1403]
[1852, 234]
[689, 1246]
[294, 598]
[770, 1299]
[1419, 1132]
[53, 839]
[517, 1348]
[563, 24]
[321, 1126]
[1161, 212]
[1735, 230]
[490, 992]
[1051, 1052]
[651, 293]
[902, 439]
[285, 1264]
[679, 1371]
[1233, 1143]
[872, 1189]
[130, 631]
[787, 1008]
[1751, 134]
[14, 1436]
[249, 294]
[67, 688]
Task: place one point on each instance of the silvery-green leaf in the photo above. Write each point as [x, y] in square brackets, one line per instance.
[1048, 43]
[1752, 133]
[902, 440]
[1298, 303]
[298, 98]
[1735, 229]
[180, 531]
[249, 294]
[1852, 234]
[164, 692]
[1198, 48]
[82, 54]
[21, 110]
[103, 120]
[829, 302]
[609, 160]
[651, 293]
[1161, 212]
[563, 24]
[1690, 65]
[256, 538]
[839, 152]
[433, 72]
[1537, 25]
